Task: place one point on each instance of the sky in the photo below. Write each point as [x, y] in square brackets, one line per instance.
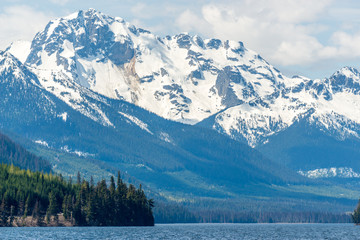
[298, 37]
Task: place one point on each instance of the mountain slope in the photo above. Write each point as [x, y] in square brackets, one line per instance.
[303, 146]
[12, 153]
[185, 78]
[163, 154]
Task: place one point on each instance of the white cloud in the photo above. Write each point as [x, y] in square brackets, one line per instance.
[297, 52]
[60, 2]
[20, 23]
[290, 11]
[348, 45]
[191, 22]
[344, 46]
[141, 9]
[285, 32]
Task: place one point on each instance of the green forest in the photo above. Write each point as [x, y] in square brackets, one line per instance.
[36, 199]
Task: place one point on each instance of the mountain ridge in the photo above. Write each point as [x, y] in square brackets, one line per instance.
[215, 84]
[184, 78]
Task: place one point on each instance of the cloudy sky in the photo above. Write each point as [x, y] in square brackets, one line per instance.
[299, 37]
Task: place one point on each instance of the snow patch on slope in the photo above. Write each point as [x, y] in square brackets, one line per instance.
[63, 116]
[165, 137]
[137, 121]
[342, 172]
[77, 152]
[41, 142]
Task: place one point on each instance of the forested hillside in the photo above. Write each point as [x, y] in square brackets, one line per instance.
[36, 199]
[12, 153]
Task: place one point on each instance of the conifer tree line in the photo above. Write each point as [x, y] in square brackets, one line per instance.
[43, 197]
[356, 214]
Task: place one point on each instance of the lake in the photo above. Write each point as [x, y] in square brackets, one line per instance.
[191, 231]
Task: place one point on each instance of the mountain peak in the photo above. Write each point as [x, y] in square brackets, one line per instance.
[92, 10]
[86, 34]
[346, 79]
[19, 49]
[12, 70]
[349, 72]
[90, 13]
[94, 14]
[7, 60]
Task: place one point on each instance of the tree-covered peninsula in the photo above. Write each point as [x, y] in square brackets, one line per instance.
[36, 199]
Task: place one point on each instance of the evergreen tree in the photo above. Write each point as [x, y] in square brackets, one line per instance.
[356, 215]
[78, 178]
[92, 216]
[53, 207]
[4, 213]
[24, 193]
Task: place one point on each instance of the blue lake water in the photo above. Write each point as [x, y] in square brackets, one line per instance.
[191, 231]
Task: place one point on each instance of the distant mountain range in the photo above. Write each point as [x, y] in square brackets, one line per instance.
[99, 88]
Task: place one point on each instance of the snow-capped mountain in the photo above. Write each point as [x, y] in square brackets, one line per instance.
[88, 58]
[331, 104]
[183, 77]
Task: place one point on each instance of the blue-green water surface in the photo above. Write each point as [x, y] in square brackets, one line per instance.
[191, 231]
